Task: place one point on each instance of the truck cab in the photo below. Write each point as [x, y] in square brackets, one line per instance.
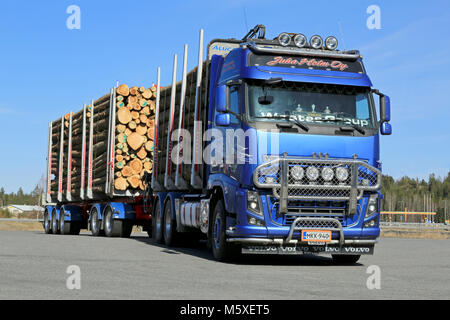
[307, 175]
[291, 151]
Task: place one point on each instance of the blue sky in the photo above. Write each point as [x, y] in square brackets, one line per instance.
[47, 70]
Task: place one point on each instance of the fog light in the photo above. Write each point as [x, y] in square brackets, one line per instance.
[284, 39]
[300, 40]
[316, 42]
[312, 173]
[331, 43]
[327, 174]
[370, 224]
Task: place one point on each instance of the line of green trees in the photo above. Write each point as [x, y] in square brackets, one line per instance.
[414, 195]
[20, 197]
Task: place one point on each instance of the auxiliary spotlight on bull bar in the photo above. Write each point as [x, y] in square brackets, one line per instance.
[276, 175]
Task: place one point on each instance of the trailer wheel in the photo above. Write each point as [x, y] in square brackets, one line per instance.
[222, 250]
[95, 223]
[116, 228]
[55, 229]
[170, 228]
[47, 222]
[157, 223]
[345, 260]
[69, 227]
[64, 227]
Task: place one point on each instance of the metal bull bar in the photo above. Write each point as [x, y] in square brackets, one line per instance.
[361, 177]
[327, 222]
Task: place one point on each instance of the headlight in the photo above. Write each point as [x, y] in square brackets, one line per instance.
[284, 39]
[372, 206]
[300, 40]
[327, 174]
[331, 43]
[312, 173]
[316, 42]
[342, 174]
[297, 173]
[270, 180]
[253, 203]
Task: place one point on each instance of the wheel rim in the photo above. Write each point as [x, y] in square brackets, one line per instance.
[61, 223]
[54, 222]
[108, 222]
[168, 222]
[94, 221]
[46, 221]
[158, 223]
[216, 233]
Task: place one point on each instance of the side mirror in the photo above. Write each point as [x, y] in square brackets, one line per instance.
[385, 108]
[221, 99]
[386, 129]
[223, 119]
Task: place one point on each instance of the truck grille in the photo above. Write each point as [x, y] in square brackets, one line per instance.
[309, 209]
[314, 222]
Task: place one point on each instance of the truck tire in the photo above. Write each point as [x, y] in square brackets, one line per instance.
[157, 224]
[222, 250]
[345, 260]
[64, 227]
[47, 223]
[116, 228]
[95, 223]
[55, 226]
[69, 227]
[170, 227]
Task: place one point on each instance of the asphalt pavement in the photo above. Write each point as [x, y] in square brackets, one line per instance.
[34, 265]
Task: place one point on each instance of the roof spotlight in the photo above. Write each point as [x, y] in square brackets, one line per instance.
[316, 42]
[300, 40]
[284, 39]
[331, 43]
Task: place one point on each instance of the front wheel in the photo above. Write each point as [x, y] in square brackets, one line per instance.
[345, 260]
[222, 250]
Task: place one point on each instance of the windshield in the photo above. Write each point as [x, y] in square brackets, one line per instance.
[310, 103]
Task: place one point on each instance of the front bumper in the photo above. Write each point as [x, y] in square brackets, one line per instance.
[290, 245]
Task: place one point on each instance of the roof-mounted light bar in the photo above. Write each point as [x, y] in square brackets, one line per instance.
[261, 49]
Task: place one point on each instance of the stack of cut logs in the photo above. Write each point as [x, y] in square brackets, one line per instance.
[135, 120]
[133, 145]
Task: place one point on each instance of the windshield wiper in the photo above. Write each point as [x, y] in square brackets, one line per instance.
[350, 127]
[353, 127]
[288, 118]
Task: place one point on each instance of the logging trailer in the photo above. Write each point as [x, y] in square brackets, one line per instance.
[266, 147]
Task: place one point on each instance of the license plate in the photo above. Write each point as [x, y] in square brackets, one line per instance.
[321, 236]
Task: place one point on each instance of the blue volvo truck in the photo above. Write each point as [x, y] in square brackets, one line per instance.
[270, 146]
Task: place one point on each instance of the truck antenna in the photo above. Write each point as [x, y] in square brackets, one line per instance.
[245, 19]
[342, 35]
